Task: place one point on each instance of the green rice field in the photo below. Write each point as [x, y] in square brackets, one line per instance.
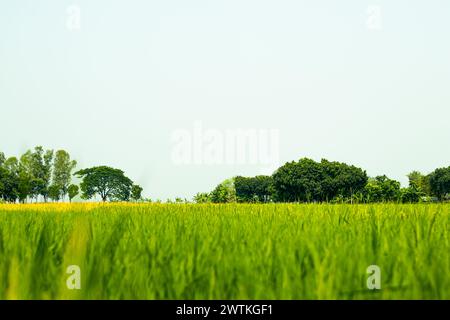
[229, 251]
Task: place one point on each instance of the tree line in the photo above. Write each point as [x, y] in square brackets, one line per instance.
[43, 175]
[329, 181]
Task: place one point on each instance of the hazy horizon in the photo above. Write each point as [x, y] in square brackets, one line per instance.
[160, 90]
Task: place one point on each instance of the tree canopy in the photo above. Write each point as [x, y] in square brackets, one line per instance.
[136, 192]
[106, 182]
[41, 174]
[440, 182]
[29, 177]
[308, 180]
[62, 172]
[328, 181]
[253, 189]
[224, 192]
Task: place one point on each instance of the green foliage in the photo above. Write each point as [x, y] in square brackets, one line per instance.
[440, 182]
[62, 171]
[10, 179]
[254, 189]
[2, 159]
[35, 173]
[54, 192]
[307, 180]
[27, 186]
[31, 176]
[298, 181]
[202, 197]
[420, 182]
[136, 192]
[382, 189]
[340, 179]
[109, 183]
[224, 192]
[39, 173]
[73, 191]
[310, 181]
[412, 194]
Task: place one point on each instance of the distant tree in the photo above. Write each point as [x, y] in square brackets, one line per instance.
[412, 194]
[46, 172]
[298, 181]
[391, 188]
[10, 179]
[224, 192]
[36, 167]
[28, 186]
[72, 191]
[382, 189]
[54, 192]
[202, 197]
[341, 179]
[3, 175]
[2, 158]
[440, 182]
[62, 171]
[373, 191]
[262, 188]
[136, 192]
[254, 189]
[420, 181]
[109, 183]
[245, 188]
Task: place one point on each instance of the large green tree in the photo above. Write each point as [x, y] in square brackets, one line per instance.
[35, 172]
[108, 183]
[382, 189]
[136, 192]
[440, 182]
[245, 189]
[62, 171]
[10, 179]
[419, 182]
[411, 194]
[341, 179]
[308, 180]
[298, 181]
[54, 192]
[253, 189]
[225, 192]
[73, 191]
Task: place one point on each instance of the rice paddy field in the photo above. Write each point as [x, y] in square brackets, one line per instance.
[233, 251]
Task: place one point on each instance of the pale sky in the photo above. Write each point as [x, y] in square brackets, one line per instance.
[363, 82]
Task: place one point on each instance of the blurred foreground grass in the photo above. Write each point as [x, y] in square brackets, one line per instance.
[234, 251]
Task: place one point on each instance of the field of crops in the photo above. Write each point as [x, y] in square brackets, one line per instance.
[182, 251]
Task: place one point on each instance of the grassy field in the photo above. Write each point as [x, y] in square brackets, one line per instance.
[275, 251]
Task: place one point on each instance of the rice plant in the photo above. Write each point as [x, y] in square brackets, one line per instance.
[232, 251]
